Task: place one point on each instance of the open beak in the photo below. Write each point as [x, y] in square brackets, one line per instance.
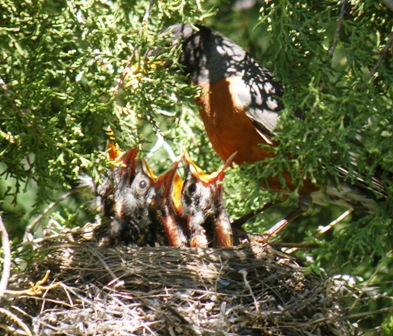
[118, 177]
[169, 182]
[128, 159]
[113, 152]
[168, 188]
[208, 179]
[127, 171]
[146, 169]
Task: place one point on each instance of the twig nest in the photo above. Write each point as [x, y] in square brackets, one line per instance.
[98, 290]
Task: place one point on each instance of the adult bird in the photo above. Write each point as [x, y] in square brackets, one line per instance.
[240, 107]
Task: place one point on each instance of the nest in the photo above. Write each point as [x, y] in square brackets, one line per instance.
[97, 290]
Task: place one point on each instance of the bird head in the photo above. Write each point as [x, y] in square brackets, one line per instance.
[211, 181]
[134, 196]
[116, 177]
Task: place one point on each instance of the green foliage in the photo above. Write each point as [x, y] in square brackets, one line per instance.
[66, 75]
[69, 69]
[329, 66]
[387, 326]
[62, 63]
[335, 63]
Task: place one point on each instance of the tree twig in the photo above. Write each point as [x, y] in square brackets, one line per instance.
[338, 29]
[296, 246]
[354, 315]
[243, 272]
[362, 291]
[238, 223]
[161, 143]
[30, 227]
[323, 229]
[381, 57]
[17, 320]
[7, 258]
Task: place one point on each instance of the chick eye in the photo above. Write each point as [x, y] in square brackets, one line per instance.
[143, 184]
[192, 188]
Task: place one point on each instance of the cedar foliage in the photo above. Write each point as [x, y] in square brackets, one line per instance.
[67, 72]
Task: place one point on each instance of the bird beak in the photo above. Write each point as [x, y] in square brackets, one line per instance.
[197, 172]
[128, 168]
[168, 187]
[146, 169]
[221, 172]
[113, 151]
[177, 188]
[170, 183]
[116, 155]
[208, 179]
[129, 158]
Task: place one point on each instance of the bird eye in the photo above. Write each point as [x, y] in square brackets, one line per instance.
[192, 188]
[142, 184]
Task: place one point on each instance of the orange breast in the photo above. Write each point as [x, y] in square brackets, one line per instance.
[230, 130]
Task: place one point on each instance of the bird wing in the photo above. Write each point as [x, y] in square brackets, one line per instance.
[260, 94]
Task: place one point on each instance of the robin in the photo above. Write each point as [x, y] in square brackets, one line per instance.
[139, 206]
[127, 199]
[167, 205]
[203, 207]
[105, 190]
[134, 208]
[240, 106]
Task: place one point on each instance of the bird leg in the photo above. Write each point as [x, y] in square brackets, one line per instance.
[304, 203]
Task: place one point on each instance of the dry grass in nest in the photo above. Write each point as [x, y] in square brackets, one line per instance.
[93, 290]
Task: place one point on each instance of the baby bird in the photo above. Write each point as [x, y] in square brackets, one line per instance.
[203, 207]
[168, 203]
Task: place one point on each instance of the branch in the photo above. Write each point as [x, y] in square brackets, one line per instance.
[295, 246]
[161, 143]
[17, 320]
[381, 57]
[323, 229]
[369, 313]
[243, 272]
[47, 209]
[354, 316]
[7, 259]
[338, 29]
[366, 285]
